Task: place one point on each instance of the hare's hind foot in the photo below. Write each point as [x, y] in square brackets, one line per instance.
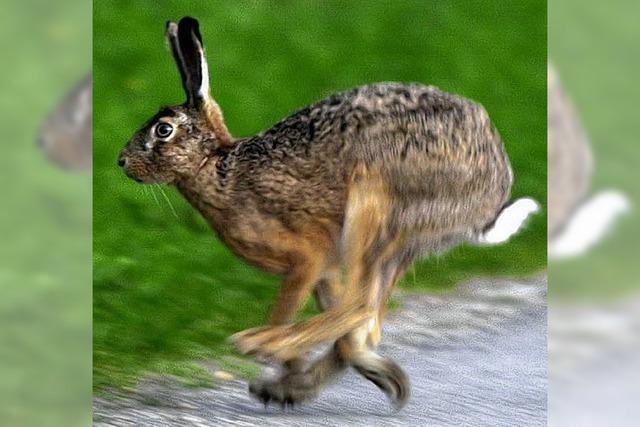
[387, 375]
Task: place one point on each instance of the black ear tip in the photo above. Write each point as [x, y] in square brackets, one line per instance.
[188, 21]
[188, 26]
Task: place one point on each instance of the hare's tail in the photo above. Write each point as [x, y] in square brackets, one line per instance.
[509, 221]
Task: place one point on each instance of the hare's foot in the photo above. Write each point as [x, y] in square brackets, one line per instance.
[250, 340]
[296, 385]
[291, 389]
[386, 375]
[282, 343]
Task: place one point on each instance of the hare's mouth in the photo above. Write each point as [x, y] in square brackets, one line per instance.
[138, 179]
[144, 179]
[137, 172]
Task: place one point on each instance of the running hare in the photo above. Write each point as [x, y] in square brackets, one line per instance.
[339, 198]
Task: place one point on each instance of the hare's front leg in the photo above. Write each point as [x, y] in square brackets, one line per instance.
[295, 289]
[294, 384]
[299, 383]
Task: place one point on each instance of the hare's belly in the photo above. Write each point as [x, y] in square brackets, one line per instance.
[269, 244]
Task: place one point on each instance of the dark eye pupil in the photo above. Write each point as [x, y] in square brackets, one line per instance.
[163, 130]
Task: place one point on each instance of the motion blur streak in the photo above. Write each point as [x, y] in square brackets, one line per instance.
[45, 220]
[594, 285]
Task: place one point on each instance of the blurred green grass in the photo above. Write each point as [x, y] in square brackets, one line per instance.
[45, 223]
[166, 292]
[591, 48]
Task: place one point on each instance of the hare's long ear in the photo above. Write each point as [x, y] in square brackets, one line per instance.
[174, 44]
[188, 51]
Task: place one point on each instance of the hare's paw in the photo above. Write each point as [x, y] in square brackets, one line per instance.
[249, 341]
[289, 390]
[282, 343]
[386, 375]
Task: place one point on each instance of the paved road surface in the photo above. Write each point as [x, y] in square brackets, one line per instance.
[475, 357]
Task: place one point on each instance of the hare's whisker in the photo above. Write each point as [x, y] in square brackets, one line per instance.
[167, 199]
[145, 191]
[153, 193]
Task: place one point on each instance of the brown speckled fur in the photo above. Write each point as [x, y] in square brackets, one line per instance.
[363, 181]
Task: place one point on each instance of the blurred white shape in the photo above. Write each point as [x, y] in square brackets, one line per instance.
[509, 221]
[589, 224]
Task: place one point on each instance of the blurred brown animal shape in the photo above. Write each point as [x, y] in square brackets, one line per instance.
[65, 136]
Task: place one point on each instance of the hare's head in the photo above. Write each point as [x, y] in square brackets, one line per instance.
[177, 141]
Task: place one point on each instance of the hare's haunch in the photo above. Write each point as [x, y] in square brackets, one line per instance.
[339, 198]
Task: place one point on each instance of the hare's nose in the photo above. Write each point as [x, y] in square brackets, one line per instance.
[122, 162]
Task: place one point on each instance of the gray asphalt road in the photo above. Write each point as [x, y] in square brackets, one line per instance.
[475, 357]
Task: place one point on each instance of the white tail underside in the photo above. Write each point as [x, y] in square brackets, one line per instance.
[510, 220]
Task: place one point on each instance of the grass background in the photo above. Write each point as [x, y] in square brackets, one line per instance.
[166, 292]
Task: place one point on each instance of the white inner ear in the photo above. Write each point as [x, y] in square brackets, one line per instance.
[204, 85]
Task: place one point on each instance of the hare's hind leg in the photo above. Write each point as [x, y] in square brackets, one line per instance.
[377, 255]
[358, 347]
[393, 268]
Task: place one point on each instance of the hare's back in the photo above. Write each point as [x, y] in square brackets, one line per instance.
[439, 156]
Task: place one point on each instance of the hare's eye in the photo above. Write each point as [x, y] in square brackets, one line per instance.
[163, 130]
